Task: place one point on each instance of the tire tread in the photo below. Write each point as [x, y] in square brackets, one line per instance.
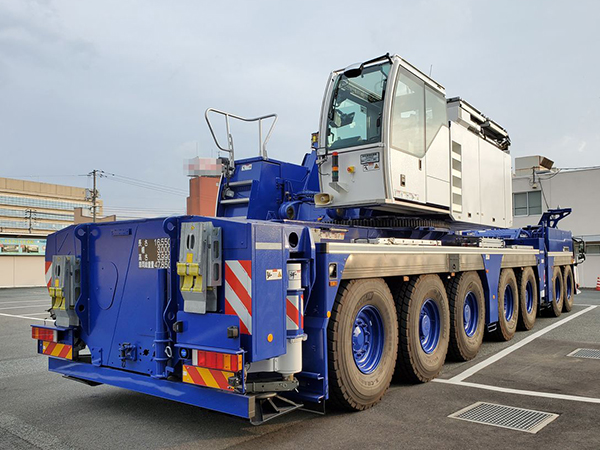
[339, 395]
[406, 360]
[403, 363]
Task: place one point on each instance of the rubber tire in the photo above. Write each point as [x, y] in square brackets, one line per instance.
[413, 363]
[461, 346]
[507, 328]
[568, 273]
[527, 320]
[349, 388]
[557, 307]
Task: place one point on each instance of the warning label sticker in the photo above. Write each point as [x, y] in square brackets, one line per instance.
[154, 253]
[274, 274]
[371, 166]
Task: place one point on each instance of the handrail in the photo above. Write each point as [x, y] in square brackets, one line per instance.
[262, 145]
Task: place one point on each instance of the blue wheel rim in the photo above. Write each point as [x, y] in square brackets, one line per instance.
[367, 339]
[557, 290]
[529, 297]
[509, 305]
[569, 288]
[470, 314]
[429, 326]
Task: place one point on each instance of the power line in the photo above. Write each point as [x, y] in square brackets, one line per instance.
[134, 211]
[146, 182]
[135, 208]
[143, 184]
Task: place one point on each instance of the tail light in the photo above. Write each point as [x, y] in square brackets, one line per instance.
[219, 361]
[44, 334]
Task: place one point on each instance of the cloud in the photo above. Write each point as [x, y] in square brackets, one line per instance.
[31, 34]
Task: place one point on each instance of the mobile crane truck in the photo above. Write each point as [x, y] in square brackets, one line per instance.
[386, 251]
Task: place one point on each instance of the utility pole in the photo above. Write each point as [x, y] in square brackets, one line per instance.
[29, 214]
[94, 174]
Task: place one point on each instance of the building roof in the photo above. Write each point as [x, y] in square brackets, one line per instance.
[26, 187]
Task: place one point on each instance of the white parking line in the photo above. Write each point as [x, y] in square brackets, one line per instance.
[22, 317]
[20, 301]
[26, 306]
[552, 395]
[507, 351]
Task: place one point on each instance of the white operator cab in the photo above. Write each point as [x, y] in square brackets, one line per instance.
[389, 140]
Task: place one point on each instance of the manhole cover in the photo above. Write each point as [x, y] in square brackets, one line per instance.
[505, 416]
[588, 353]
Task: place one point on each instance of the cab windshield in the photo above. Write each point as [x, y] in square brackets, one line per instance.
[355, 113]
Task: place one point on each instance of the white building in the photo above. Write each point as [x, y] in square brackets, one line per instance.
[537, 187]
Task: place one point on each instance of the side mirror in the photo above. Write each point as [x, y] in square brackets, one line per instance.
[353, 71]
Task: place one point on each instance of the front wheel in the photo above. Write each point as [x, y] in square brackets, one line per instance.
[508, 305]
[569, 284]
[362, 344]
[558, 293]
[424, 325]
[528, 299]
[467, 316]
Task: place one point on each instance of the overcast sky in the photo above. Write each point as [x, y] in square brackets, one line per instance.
[122, 86]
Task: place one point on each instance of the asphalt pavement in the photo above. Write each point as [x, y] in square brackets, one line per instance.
[42, 410]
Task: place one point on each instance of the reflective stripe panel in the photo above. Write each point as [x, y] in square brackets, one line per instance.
[294, 311]
[302, 311]
[58, 350]
[238, 292]
[48, 273]
[217, 379]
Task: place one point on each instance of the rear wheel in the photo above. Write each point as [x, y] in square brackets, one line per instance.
[424, 328]
[528, 299]
[363, 344]
[569, 284]
[508, 305]
[558, 294]
[467, 316]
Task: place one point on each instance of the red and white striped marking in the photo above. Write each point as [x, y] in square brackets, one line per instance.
[238, 292]
[294, 312]
[48, 273]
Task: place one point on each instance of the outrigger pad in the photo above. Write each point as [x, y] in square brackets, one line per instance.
[270, 406]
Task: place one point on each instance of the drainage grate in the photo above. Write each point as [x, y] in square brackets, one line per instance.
[505, 416]
[589, 353]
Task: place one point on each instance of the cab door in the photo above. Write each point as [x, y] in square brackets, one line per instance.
[407, 139]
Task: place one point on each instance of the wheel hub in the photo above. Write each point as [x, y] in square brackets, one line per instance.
[508, 302]
[367, 339]
[529, 297]
[426, 325]
[470, 314]
[359, 337]
[467, 313]
[429, 326]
